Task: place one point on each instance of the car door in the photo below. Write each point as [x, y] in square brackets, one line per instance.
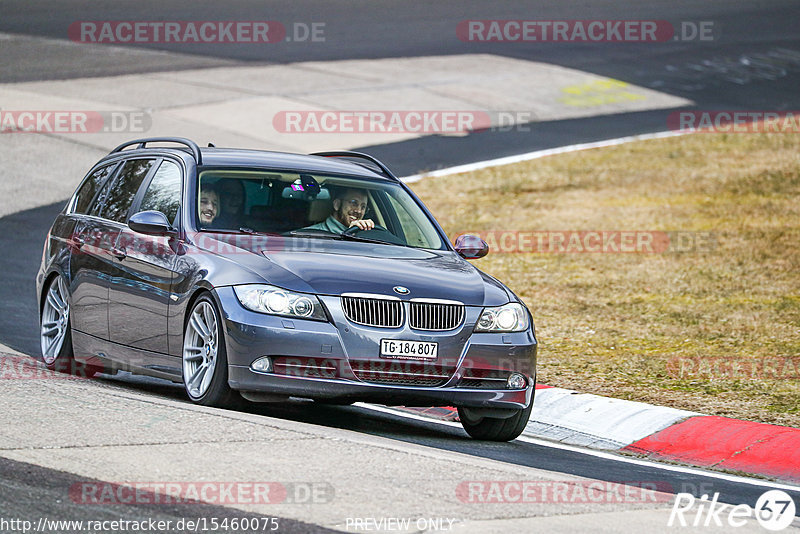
[103, 231]
[91, 241]
[139, 295]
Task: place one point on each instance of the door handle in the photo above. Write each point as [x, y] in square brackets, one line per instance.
[119, 253]
[78, 242]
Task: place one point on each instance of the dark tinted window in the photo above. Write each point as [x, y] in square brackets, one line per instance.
[124, 189]
[90, 187]
[164, 192]
[97, 205]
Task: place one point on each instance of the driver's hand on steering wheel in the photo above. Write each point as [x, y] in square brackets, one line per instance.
[363, 224]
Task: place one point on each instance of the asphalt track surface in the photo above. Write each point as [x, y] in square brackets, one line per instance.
[437, 436]
[28, 490]
[357, 30]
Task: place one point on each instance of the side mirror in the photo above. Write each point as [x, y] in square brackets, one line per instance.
[471, 247]
[150, 223]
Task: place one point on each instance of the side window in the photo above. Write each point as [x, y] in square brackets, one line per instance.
[89, 189]
[164, 192]
[97, 205]
[124, 189]
[411, 228]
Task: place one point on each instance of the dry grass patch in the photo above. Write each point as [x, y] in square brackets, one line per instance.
[623, 324]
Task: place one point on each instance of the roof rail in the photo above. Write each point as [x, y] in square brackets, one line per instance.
[180, 140]
[361, 155]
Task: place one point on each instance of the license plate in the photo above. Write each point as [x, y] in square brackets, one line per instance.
[408, 350]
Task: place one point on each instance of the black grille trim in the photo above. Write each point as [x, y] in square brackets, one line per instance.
[401, 373]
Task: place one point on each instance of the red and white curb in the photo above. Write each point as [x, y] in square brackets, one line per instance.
[658, 432]
[594, 421]
[666, 433]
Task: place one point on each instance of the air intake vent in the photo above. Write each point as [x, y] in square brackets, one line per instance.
[401, 373]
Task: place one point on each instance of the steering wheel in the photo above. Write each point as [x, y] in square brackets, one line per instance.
[353, 229]
[378, 233]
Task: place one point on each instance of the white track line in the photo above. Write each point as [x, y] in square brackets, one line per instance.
[468, 167]
[598, 454]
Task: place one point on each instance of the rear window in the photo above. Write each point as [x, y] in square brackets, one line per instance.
[124, 189]
[87, 192]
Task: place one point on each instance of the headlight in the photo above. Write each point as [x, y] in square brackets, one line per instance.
[276, 301]
[511, 317]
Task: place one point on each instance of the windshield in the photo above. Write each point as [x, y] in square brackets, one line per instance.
[311, 206]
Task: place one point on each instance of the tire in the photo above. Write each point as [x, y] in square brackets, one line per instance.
[494, 428]
[55, 332]
[204, 357]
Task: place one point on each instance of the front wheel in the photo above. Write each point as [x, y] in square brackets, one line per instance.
[205, 361]
[495, 428]
[55, 334]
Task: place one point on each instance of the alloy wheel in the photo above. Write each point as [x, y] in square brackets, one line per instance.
[200, 349]
[55, 320]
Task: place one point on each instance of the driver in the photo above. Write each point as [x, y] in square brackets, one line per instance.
[349, 206]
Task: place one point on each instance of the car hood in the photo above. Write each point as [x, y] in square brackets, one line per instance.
[334, 267]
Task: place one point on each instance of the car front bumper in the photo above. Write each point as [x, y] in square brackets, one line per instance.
[342, 346]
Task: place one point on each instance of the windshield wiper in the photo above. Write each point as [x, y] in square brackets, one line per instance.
[324, 234]
[312, 233]
[242, 230]
[248, 230]
[352, 237]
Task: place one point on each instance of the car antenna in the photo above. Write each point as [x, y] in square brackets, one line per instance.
[212, 145]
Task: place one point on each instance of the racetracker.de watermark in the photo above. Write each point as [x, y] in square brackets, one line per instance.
[206, 242]
[499, 241]
[596, 241]
[735, 121]
[562, 492]
[121, 32]
[381, 121]
[74, 121]
[584, 31]
[26, 368]
[218, 493]
[472, 368]
[722, 368]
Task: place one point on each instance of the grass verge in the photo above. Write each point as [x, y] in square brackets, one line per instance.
[715, 328]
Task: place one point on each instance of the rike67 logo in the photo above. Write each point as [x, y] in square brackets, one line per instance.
[774, 510]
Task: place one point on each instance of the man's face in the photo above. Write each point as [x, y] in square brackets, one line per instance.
[209, 206]
[351, 207]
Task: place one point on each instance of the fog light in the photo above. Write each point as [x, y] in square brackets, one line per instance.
[516, 381]
[264, 365]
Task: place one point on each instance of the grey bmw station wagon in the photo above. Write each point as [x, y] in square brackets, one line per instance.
[260, 275]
